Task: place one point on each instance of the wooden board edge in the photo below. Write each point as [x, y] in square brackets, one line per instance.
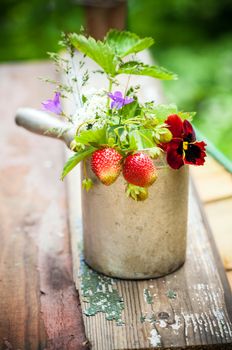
[218, 260]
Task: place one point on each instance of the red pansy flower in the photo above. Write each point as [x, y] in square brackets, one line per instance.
[183, 148]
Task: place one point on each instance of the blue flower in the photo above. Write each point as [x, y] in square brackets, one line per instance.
[54, 105]
[118, 101]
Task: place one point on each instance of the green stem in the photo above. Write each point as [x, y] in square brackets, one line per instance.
[66, 117]
[128, 80]
[76, 85]
[110, 89]
[87, 122]
[84, 169]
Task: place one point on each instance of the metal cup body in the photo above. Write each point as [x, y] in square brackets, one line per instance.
[136, 240]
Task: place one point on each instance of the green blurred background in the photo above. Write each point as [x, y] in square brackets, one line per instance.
[193, 38]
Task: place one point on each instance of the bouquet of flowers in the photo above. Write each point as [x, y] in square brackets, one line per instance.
[113, 129]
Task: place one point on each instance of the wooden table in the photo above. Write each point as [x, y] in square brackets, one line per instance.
[214, 185]
[39, 305]
[188, 309]
[40, 309]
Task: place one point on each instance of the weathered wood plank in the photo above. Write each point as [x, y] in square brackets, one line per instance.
[199, 315]
[229, 276]
[213, 182]
[219, 216]
[190, 308]
[214, 185]
[38, 301]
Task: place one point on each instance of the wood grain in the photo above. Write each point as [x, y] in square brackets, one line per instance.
[199, 316]
[189, 309]
[38, 301]
[213, 182]
[219, 214]
[229, 276]
[214, 185]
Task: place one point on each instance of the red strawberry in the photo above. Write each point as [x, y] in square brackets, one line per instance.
[106, 164]
[139, 170]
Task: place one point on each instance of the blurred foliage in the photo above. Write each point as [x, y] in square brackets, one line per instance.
[173, 22]
[205, 85]
[193, 38]
[29, 29]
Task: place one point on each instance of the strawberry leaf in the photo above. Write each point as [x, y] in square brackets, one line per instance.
[143, 138]
[139, 68]
[161, 112]
[124, 43]
[129, 110]
[187, 115]
[99, 51]
[75, 159]
[92, 137]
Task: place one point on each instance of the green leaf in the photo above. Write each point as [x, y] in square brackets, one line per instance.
[111, 136]
[99, 51]
[84, 99]
[75, 159]
[125, 43]
[133, 144]
[121, 132]
[143, 139]
[130, 109]
[161, 112]
[155, 152]
[89, 137]
[139, 68]
[187, 115]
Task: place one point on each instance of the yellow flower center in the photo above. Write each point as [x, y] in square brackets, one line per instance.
[185, 146]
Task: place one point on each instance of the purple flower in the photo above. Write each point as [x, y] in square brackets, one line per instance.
[118, 100]
[54, 105]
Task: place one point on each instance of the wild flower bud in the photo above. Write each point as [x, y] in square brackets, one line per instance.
[73, 145]
[137, 193]
[87, 184]
[166, 136]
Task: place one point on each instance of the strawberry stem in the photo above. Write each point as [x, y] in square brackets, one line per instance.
[84, 169]
[110, 89]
